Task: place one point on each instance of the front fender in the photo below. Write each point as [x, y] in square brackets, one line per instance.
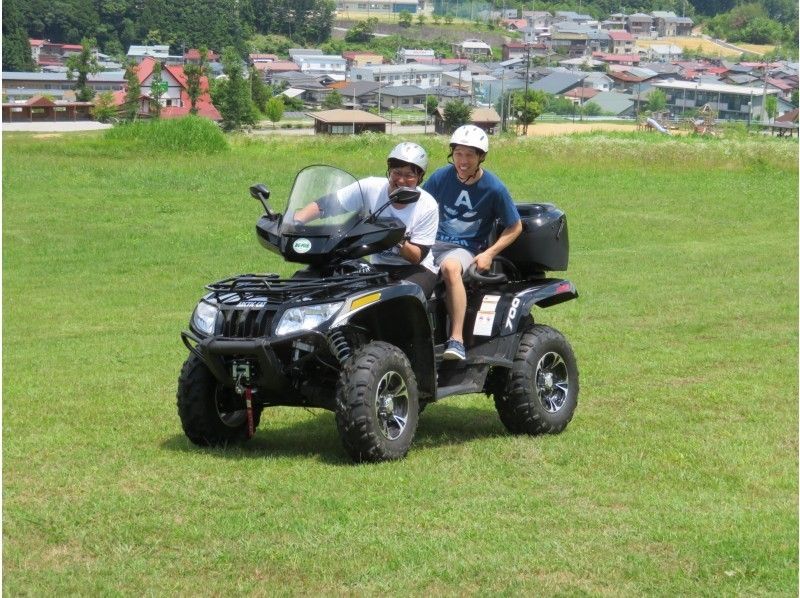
[397, 314]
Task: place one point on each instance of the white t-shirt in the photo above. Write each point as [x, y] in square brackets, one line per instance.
[421, 219]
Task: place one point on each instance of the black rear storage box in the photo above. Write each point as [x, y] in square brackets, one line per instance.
[543, 244]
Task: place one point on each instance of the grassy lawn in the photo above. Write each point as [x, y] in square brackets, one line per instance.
[678, 475]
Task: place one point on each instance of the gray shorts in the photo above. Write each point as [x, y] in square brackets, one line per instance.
[451, 251]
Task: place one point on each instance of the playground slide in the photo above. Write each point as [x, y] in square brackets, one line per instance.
[655, 124]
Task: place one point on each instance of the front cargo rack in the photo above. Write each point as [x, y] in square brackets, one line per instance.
[270, 286]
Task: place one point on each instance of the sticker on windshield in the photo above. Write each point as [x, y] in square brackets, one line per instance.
[301, 245]
[485, 316]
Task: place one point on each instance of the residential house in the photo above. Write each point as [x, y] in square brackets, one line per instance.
[598, 81]
[598, 41]
[175, 100]
[422, 75]
[569, 43]
[357, 94]
[614, 103]
[21, 86]
[514, 49]
[615, 21]
[668, 24]
[48, 54]
[269, 70]
[573, 17]
[161, 53]
[622, 42]
[558, 83]
[192, 56]
[402, 96]
[472, 49]
[379, 7]
[322, 64]
[356, 59]
[664, 52]
[256, 58]
[629, 59]
[405, 55]
[731, 102]
[347, 122]
[639, 24]
[315, 88]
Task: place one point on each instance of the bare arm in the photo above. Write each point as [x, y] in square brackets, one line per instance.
[484, 260]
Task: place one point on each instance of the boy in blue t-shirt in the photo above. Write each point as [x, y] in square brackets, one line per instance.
[470, 199]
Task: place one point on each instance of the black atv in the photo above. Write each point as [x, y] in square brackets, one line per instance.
[345, 337]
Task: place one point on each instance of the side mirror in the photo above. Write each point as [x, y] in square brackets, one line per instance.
[261, 193]
[404, 195]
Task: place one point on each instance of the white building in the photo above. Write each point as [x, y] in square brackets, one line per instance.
[323, 64]
[405, 55]
[413, 73]
[382, 7]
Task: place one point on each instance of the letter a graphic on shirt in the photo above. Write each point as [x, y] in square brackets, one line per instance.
[463, 200]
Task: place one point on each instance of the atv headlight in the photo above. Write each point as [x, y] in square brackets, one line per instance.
[204, 317]
[307, 317]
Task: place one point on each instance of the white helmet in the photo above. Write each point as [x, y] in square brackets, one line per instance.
[410, 153]
[471, 136]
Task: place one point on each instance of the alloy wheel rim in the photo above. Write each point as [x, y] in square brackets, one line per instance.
[552, 381]
[391, 405]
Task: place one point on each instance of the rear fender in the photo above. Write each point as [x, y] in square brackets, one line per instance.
[549, 292]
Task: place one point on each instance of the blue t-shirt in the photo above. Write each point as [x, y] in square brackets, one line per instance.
[467, 212]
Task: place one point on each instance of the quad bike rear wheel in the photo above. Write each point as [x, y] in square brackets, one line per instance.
[377, 405]
[541, 394]
[211, 414]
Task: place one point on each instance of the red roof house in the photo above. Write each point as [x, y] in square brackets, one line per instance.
[175, 100]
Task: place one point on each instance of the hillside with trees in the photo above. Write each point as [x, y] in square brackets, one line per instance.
[251, 24]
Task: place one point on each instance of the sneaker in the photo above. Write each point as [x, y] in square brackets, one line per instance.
[454, 350]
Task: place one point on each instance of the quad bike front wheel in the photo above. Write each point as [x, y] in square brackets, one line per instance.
[377, 405]
[542, 390]
[211, 414]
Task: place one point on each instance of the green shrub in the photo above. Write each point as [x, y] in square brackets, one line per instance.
[187, 134]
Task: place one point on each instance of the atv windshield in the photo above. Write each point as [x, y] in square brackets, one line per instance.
[324, 201]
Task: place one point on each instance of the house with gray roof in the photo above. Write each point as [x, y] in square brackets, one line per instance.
[614, 103]
[639, 24]
[25, 85]
[402, 96]
[558, 83]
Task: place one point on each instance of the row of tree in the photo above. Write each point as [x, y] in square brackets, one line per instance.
[182, 24]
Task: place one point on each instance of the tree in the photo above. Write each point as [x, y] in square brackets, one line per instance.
[528, 106]
[404, 19]
[361, 31]
[421, 19]
[133, 92]
[194, 76]
[104, 109]
[431, 104]
[158, 87]
[16, 48]
[657, 101]
[258, 91]
[232, 95]
[83, 64]
[274, 110]
[771, 106]
[456, 113]
[332, 100]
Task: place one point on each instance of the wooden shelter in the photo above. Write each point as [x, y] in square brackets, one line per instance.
[42, 109]
[347, 122]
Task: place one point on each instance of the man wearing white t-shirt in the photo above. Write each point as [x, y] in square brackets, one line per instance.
[410, 259]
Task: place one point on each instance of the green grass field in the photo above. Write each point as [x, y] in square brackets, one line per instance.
[677, 477]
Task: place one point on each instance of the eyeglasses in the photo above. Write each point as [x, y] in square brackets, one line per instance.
[398, 173]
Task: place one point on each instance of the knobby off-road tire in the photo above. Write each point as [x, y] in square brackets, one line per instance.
[377, 405]
[542, 391]
[211, 415]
